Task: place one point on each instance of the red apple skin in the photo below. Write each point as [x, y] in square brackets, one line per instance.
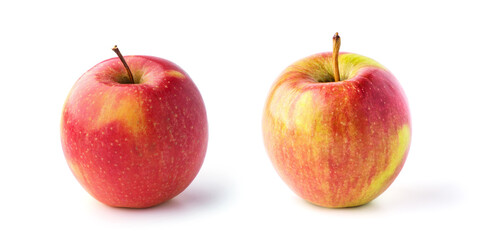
[337, 144]
[134, 145]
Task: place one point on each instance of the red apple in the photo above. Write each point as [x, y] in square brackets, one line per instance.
[337, 142]
[134, 138]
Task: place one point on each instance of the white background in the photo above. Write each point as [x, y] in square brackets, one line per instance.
[234, 52]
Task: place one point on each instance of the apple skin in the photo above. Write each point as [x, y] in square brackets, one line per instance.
[337, 144]
[134, 145]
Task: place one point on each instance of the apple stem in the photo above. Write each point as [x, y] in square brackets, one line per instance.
[117, 51]
[336, 50]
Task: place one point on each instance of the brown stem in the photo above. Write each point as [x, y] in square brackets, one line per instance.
[336, 50]
[117, 51]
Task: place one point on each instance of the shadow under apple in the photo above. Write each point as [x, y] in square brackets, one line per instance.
[405, 198]
[203, 194]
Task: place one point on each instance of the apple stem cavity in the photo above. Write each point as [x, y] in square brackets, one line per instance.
[336, 50]
[117, 51]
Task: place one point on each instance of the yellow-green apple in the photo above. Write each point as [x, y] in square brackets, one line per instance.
[337, 128]
[134, 131]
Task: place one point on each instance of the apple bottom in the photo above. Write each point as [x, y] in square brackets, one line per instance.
[122, 170]
[332, 178]
[136, 192]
